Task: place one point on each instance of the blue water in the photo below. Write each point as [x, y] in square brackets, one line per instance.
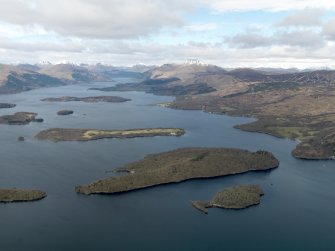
[296, 213]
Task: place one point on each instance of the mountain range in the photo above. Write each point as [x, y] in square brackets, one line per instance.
[25, 77]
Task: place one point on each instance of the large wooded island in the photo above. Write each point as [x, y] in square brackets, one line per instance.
[180, 165]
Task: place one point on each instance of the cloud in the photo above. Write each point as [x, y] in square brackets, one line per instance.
[130, 53]
[306, 17]
[304, 38]
[268, 5]
[160, 31]
[202, 27]
[96, 18]
[42, 46]
[248, 40]
[307, 38]
[329, 30]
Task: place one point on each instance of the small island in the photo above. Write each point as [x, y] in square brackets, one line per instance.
[64, 112]
[180, 165]
[109, 99]
[69, 134]
[6, 105]
[19, 195]
[237, 197]
[38, 120]
[19, 118]
[21, 138]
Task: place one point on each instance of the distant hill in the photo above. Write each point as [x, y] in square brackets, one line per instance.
[69, 72]
[185, 72]
[17, 79]
[296, 105]
[25, 77]
[174, 79]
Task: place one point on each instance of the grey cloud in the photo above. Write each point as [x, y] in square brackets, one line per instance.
[303, 38]
[329, 30]
[64, 46]
[95, 18]
[123, 47]
[203, 44]
[248, 40]
[271, 56]
[304, 18]
[268, 5]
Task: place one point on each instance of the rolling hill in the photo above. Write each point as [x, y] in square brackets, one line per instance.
[295, 105]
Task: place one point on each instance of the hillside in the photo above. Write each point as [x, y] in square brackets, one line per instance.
[69, 72]
[176, 80]
[298, 105]
[15, 79]
[88, 73]
[25, 77]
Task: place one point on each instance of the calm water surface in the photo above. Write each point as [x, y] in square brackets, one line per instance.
[296, 213]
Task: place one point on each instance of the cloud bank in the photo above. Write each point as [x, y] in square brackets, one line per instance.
[299, 33]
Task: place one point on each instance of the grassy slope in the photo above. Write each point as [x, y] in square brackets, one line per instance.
[302, 110]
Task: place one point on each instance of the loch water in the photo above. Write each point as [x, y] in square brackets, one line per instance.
[297, 211]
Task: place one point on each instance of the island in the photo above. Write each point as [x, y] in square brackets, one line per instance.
[19, 118]
[64, 112]
[180, 165]
[6, 105]
[21, 138]
[69, 134]
[38, 120]
[237, 197]
[110, 99]
[19, 195]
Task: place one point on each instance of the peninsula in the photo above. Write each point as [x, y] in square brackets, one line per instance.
[109, 99]
[19, 118]
[19, 195]
[68, 134]
[237, 197]
[180, 165]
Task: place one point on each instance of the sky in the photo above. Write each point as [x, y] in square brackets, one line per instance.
[228, 33]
